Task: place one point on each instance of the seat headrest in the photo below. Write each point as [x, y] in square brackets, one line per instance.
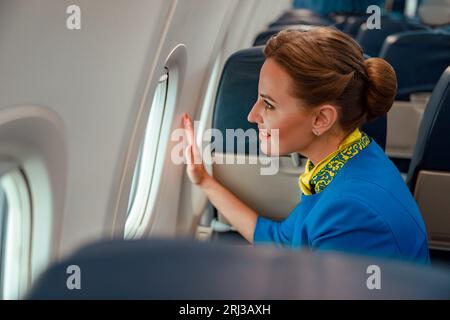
[435, 12]
[371, 40]
[338, 6]
[297, 14]
[419, 58]
[238, 92]
[350, 24]
[301, 16]
[432, 150]
[186, 270]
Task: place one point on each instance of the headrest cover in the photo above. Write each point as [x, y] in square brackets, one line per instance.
[435, 12]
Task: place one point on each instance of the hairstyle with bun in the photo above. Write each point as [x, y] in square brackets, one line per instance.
[328, 66]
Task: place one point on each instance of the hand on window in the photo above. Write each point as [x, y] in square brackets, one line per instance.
[195, 168]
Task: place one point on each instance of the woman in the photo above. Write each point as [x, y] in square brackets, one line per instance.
[317, 89]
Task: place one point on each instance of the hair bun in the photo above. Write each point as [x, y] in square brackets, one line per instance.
[382, 87]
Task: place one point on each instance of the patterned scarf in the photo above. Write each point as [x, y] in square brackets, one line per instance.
[315, 178]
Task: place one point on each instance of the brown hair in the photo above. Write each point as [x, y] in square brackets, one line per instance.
[328, 66]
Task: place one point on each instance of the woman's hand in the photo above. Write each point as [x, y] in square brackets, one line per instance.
[239, 214]
[195, 168]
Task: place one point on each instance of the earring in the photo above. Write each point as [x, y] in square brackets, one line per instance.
[316, 132]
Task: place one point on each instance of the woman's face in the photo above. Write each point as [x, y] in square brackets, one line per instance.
[275, 109]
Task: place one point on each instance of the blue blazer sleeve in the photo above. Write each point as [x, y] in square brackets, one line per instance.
[274, 232]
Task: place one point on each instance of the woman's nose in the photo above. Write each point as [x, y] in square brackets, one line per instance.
[254, 116]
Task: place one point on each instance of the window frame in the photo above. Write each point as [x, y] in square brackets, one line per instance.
[142, 181]
[16, 259]
[161, 197]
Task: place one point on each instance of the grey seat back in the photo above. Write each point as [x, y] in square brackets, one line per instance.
[429, 172]
[371, 40]
[432, 151]
[419, 58]
[181, 269]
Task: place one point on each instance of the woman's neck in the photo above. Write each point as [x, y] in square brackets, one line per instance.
[323, 146]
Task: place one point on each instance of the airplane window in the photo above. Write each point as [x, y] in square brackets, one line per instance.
[15, 235]
[3, 222]
[144, 169]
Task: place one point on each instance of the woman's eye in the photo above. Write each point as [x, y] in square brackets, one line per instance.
[268, 106]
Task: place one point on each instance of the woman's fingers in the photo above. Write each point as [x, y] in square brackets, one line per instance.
[195, 169]
[189, 155]
[187, 124]
[196, 156]
[193, 155]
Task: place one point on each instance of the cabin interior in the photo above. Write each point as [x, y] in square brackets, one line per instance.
[91, 94]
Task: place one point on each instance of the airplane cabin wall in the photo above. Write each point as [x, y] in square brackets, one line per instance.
[94, 86]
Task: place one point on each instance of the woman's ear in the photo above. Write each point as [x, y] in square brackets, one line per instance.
[324, 118]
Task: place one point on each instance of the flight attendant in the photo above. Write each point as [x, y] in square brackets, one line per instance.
[317, 89]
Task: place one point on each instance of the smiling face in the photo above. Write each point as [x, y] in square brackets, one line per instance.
[277, 108]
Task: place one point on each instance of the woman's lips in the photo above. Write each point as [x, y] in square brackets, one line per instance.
[264, 134]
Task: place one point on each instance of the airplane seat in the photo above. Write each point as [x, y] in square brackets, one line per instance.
[329, 7]
[350, 23]
[301, 16]
[347, 15]
[429, 173]
[308, 22]
[371, 40]
[275, 195]
[418, 58]
[298, 14]
[398, 6]
[432, 14]
[264, 36]
[186, 270]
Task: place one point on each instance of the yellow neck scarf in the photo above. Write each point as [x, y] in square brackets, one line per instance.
[317, 177]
